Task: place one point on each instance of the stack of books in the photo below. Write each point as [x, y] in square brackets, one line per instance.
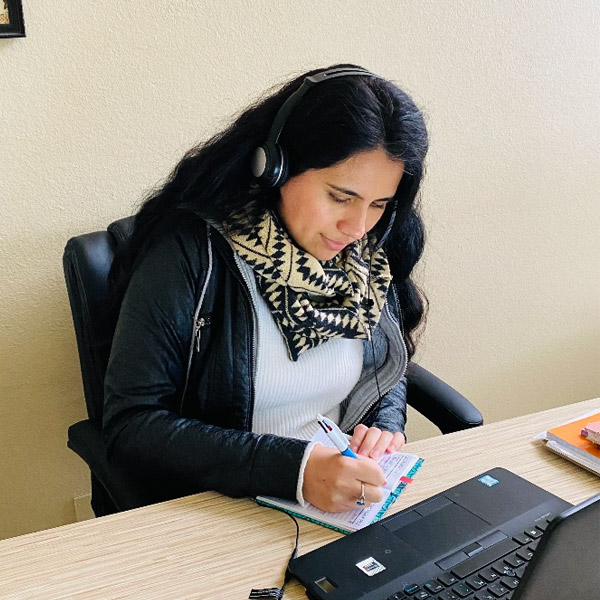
[577, 441]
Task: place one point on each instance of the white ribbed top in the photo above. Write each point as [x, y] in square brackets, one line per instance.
[288, 394]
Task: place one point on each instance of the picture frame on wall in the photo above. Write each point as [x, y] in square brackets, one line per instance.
[11, 18]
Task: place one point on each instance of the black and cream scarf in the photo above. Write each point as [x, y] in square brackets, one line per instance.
[313, 301]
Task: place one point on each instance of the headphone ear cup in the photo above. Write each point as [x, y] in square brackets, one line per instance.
[268, 164]
[284, 168]
[259, 162]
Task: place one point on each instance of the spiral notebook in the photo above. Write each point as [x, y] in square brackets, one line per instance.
[399, 469]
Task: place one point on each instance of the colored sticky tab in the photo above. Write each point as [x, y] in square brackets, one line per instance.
[406, 479]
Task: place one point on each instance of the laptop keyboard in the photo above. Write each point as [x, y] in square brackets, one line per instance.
[488, 574]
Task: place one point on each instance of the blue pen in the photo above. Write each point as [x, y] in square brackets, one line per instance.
[334, 433]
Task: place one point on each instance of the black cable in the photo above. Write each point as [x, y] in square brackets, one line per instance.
[277, 593]
[369, 304]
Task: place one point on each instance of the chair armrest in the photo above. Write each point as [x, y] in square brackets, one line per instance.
[446, 408]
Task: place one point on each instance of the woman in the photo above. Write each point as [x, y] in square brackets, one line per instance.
[262, 285]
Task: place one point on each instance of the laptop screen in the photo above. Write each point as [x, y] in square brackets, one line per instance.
[566, 564]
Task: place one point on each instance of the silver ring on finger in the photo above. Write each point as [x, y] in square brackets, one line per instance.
[361, 500]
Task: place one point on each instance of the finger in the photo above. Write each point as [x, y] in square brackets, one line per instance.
[382, 444]
[372, 493]
[369, 441]
[397, 442]
[367, 470]
[360, 431]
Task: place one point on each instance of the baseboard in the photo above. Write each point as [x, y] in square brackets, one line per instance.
[83, 507]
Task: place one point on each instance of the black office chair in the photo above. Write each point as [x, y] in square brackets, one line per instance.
[87, 260]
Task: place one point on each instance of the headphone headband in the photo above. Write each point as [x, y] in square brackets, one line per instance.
[269, 163]
[295, 99]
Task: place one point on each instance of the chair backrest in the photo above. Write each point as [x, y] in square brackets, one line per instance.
[87, 260]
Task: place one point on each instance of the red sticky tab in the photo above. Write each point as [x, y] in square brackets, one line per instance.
[406, 479]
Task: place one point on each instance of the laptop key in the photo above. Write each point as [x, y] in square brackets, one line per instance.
[421, 595]
[447, 579]
[475, 582]
[448, 595]
[514, 561]
[497, 589]
[543, 525]
[412, 588]
[489, 575]
[510, 582]
[533, 532]
[525, 554]
[433, 586]
[522, 539]
[484, 595]
[462, 590]
[503, 569]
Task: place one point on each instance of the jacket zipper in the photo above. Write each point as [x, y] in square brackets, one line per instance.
[246, 287]
[199, 322]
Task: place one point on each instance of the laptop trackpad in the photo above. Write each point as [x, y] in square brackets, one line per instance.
[446, 529]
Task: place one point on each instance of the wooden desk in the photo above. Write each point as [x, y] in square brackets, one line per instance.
[211, 547]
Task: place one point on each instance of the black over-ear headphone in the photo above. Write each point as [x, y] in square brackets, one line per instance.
[269, 162]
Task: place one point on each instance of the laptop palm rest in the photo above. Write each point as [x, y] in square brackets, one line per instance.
[436, 527]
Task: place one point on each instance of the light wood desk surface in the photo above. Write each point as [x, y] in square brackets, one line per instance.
[211, 547]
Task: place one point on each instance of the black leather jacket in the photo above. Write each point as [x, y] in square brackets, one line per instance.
[179, 383]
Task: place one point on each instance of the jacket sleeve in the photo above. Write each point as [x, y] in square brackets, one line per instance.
[144, 383]
[391, 414]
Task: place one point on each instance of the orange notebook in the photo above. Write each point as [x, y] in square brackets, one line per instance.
[568, 441]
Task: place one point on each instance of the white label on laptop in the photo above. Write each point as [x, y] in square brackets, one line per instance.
[370, 566]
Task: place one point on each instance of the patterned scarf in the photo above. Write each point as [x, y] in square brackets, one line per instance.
[312, 301]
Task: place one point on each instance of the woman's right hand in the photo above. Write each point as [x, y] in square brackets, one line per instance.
[332, 482]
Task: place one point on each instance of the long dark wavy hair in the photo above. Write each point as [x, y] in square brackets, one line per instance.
[335, 120]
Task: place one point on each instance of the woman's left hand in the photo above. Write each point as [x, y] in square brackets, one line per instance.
[372, 442]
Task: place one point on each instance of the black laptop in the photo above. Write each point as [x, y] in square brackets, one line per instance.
[493, 536]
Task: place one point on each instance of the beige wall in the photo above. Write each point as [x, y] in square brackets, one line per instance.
[101, 98]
